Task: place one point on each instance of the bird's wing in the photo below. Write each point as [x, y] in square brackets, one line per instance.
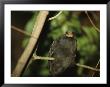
[52, 48]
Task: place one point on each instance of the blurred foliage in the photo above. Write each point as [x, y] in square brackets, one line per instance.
[88, 40]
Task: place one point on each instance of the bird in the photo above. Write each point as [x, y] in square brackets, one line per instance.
[64, 51]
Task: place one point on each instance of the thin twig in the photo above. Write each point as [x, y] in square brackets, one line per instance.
[21, 64]
[21, 31]
[55, 16]
[96, 67]
[51, 58]
[87, 67]
[42, 58]
[97, 29]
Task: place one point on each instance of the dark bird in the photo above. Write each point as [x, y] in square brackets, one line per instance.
[64, 52]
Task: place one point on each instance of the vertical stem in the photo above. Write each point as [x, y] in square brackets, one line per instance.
[41, 18]
[96, 68]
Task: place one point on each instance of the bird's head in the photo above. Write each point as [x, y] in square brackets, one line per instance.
[70, 34]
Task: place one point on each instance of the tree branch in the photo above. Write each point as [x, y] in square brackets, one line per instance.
[42, 58]
[28, 50]
[21, 31]
[96, 67]
[55, 16]
[97, 29]
[87, 67]
[77, 64]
